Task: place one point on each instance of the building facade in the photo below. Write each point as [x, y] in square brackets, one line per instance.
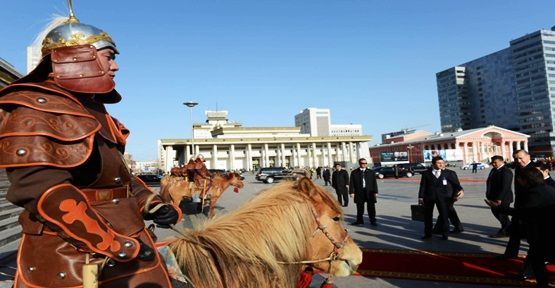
[513, 88]
[8, 73]
[464, 146]
[232, 147]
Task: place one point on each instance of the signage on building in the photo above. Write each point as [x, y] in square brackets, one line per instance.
[394, 156]
[446, 154]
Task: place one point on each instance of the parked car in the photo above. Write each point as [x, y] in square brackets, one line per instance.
[150, 179]
[271, 174]
[415, 168]
[481, 166]
[382, 172]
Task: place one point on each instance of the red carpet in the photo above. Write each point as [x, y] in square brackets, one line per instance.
[443, 266]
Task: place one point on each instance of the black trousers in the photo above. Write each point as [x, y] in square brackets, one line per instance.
[452, 216]
[502, 217]
[516, 232]
[342, 197]
[371, 211]
[443, 208]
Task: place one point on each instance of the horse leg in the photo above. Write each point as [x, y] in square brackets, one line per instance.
[211, 210]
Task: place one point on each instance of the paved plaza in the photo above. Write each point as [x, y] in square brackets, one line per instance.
[395, 229]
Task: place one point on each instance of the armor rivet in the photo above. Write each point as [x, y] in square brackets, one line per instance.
[122, 254]
[57, 76]
[32, 268]
[111, 263]
[61, 275]
[128, 244]
[41, 100]
[117, 180]
[101, 72]
[115, 200]
[74, 58]
[21, 152]
[80, 75]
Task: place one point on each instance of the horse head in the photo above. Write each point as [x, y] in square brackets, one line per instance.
[331, 248]
[235, 180]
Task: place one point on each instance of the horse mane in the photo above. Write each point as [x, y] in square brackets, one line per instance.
[242, 248]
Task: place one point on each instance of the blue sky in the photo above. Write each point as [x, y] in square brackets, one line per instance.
[371, 62]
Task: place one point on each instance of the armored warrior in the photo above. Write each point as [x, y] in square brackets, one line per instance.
[63, 155]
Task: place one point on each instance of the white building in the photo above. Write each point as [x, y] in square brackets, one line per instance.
[232, 147]
[314, 121]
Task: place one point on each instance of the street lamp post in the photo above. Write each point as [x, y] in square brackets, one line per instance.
[191, 104]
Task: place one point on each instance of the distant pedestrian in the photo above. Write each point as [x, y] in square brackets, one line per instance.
[474, 167]
[319, 172]
[326, 175]
[544, 168]
[340, 182]
[364, 188]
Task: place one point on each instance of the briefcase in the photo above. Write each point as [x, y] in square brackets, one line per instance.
[417, 212]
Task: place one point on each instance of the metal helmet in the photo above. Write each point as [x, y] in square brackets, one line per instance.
[74, 33]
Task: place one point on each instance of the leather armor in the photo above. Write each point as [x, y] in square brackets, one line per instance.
[63, 155]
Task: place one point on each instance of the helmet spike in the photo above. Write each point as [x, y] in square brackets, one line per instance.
[72, 18]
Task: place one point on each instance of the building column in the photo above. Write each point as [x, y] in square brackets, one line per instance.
[282, 152]
[526, 146]
[249, 157]
[298, 147]
[266, 156]
[214, 156]
[465, 159]
[314, 163]
[511, 149]
[503, 150]
[343, 152]
[232, 157]
[330, 157]
[187, 154]
[474, 151]
[197, 150]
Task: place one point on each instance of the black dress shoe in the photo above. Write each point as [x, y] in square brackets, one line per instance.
[374, 223]
[426, 236]
[456, 231]
[499, 235]
[444, 237]
[357, 223]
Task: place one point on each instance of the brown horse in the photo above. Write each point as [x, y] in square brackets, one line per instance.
[267, 241]
[174, 189]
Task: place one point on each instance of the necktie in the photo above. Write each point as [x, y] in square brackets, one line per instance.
[363, 180]
[436, 173]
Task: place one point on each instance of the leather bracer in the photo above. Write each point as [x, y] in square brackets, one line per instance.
[67, 208]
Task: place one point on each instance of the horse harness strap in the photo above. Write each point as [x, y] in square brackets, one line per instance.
[336, 245]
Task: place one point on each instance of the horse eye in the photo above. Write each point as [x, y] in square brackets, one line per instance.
[336, 218]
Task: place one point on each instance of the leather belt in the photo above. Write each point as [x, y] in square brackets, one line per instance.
[106, 194]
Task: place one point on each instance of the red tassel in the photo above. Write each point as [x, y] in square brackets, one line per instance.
[306, 279]
[236, 190]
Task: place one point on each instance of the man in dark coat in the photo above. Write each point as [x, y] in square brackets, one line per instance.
[438, 186]
[340, 182]
[516, 228]
[326, 175]
[498, 190]
[364, 188]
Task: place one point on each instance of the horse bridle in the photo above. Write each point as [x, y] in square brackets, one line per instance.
[337, 245]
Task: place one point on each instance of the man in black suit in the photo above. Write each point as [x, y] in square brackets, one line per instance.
[499, 191]
[340, 182]
[438, 187]
[516, 228]
[364, 188]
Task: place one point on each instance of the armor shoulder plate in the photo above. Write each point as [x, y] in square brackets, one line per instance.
[43, 127]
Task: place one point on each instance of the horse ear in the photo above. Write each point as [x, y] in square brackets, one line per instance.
[305, 185]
